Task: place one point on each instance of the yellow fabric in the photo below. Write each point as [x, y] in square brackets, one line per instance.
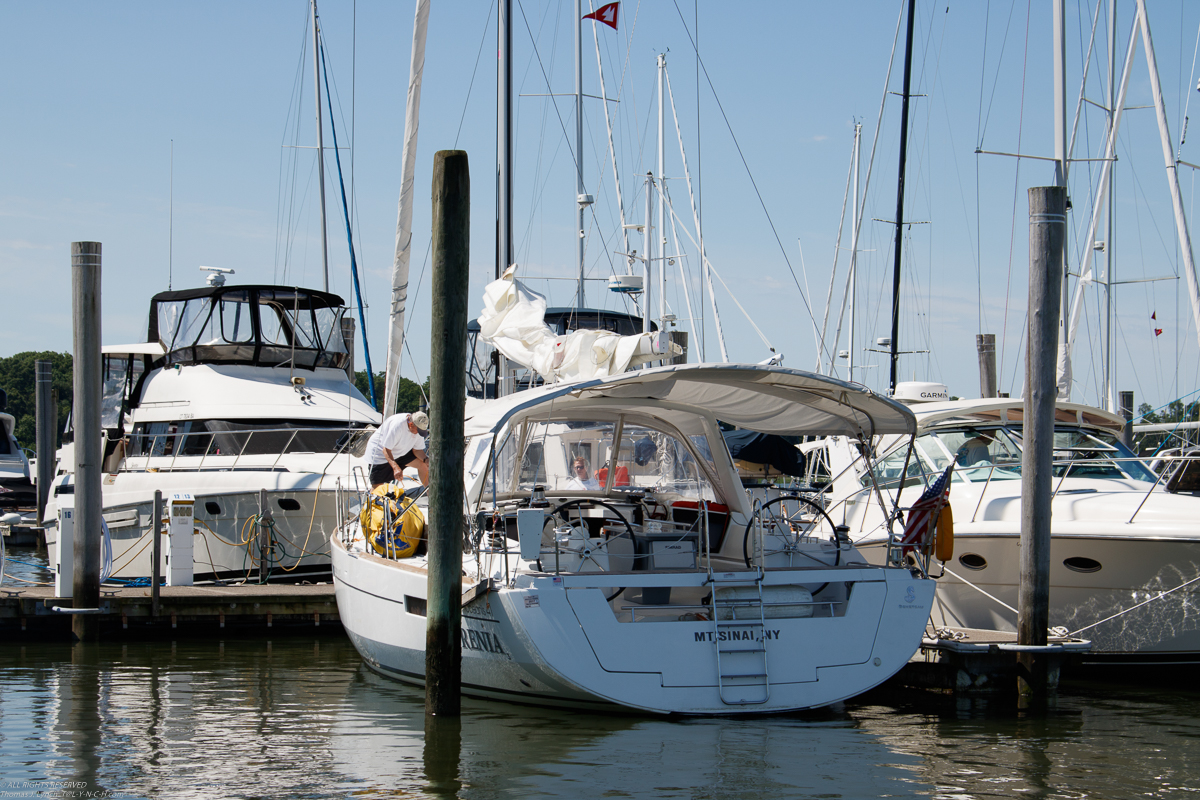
[387, 504]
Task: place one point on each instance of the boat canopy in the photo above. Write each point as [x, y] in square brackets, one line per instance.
[258, 325]
[1004, 410]
[759, 398]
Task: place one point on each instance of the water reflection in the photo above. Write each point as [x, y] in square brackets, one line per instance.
[291, 718]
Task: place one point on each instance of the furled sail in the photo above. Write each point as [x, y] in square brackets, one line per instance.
[404, 210]
[513, 321]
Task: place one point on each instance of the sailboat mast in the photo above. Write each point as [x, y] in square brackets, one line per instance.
[504, 191]
[320, 143]
[504, 162]
[661, 238]
[854, 249]
[1110, 352]
[580, 200]
[908, 47]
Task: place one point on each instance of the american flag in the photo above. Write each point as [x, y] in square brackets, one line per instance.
[923, 515]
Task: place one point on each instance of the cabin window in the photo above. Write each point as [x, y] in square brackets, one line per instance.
[228, 438]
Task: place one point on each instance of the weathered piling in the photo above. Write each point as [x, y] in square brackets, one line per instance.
[985, 344]
[156, 556]
[47, 424]
[447, 394]
[85, 417]
[1047, 233]
[1127, 413]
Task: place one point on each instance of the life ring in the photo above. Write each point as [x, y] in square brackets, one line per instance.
[943, 542]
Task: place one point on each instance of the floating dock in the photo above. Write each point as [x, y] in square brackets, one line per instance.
[970, 661]
[35, 613]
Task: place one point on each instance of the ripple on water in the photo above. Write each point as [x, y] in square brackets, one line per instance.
[304, 718]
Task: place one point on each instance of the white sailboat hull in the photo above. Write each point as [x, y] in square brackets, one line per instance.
[554, 640]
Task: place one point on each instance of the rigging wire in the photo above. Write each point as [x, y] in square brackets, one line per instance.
[742, 156]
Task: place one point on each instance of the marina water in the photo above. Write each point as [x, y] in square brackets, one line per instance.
[302, 717]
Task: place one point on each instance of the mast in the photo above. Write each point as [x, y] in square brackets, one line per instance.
[404, 206]
[647, 238]
[320, 144]
[504, 159]
[661, 239]
[581, 200]
[908, 46]
[854, 248]
[1064, 370]
[1110, 352]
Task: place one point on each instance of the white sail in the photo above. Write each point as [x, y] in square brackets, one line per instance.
[404, 210]
[513, 321]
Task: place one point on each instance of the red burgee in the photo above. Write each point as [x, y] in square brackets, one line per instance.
[606, 14]
[1153, 315]
[1158, 331]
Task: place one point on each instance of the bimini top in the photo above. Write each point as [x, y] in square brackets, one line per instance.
[1005, 410]
[258, 325]
[759, 398]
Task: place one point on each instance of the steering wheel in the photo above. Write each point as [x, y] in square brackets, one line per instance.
[791, 525]
[586, 552]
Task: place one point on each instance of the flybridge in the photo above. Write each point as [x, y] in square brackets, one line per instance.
[257, 325]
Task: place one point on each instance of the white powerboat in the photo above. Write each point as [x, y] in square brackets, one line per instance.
[628, 586]
[16, 488]
[1125, 548]
[238, 389]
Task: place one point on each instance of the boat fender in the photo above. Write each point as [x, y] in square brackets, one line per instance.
[392, 525]
[943, 543]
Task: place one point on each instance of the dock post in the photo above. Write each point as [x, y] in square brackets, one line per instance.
[156, 566]
[264, 535]
[85, 286]
[47, 424]
[1047, 233]
[1127, 413]
[985, 344]
[447, 395]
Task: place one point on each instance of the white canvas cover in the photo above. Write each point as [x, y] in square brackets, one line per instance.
[760, 398]
[513, 321]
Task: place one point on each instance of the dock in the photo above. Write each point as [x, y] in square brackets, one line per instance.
[35, 613]
[970, 661]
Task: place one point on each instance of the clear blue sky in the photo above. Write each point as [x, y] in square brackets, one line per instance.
[94, 95]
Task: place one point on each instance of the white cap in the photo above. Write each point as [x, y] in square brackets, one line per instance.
[421, 420]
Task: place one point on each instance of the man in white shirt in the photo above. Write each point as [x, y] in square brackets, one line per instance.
[400, 441]
[581, 477]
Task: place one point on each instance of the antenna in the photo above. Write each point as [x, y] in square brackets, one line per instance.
[217, 275]
[171, 222]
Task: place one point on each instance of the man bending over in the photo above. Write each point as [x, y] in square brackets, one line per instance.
[398, 442]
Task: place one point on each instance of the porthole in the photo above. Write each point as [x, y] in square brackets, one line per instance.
[288, 504]
[972, 561]
[1082, 564]
[212, 507]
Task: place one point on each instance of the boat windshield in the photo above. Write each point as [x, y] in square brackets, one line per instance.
[1081, 453]
[260, 325]
[978, 453]
[581, 456]
[983, 453]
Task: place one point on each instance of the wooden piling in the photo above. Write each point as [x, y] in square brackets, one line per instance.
[156, 566]
[47, 424]
[85, 417]
[1047, 233]
[447, 396]
[1127, 413]
[985, 344]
